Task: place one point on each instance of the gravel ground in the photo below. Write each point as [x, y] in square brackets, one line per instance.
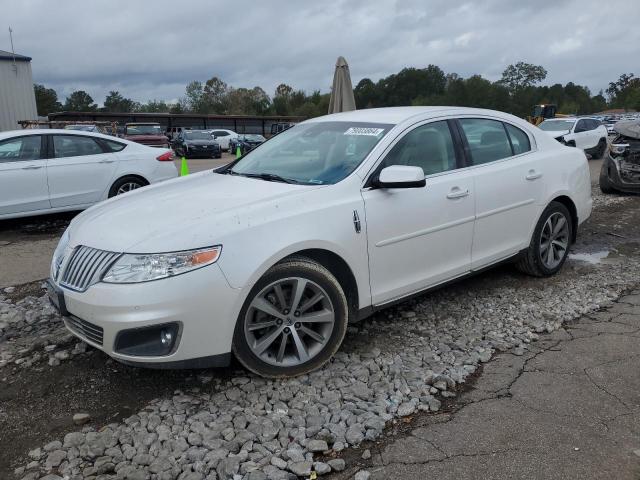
[230, 424]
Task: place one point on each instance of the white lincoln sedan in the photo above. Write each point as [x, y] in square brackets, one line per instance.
[46, 171]
[271, 256]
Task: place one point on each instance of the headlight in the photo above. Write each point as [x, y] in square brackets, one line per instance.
[135, 268]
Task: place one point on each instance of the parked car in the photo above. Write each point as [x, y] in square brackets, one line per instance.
[280, 127]
[50, 170]
[585, 133]
[246, 142]
[173, 132]
[223, 137]
[149, 134]
[196, 143]
[271, 256]
[620, 170]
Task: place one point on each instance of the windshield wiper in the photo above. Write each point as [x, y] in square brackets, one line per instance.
[269, 177]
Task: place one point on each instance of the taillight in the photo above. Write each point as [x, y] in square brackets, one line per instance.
[165, 157]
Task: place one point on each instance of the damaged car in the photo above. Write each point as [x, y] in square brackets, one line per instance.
[621, 167]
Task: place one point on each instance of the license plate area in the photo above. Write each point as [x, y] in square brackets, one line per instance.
[56, 297]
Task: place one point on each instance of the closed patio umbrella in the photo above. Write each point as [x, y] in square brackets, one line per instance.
[342, 99]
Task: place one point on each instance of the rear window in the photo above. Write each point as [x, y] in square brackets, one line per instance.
[519, 139]
[112, 146]
[487, 140]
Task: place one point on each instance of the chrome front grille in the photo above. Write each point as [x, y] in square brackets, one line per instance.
[85, 329]
[85, 267]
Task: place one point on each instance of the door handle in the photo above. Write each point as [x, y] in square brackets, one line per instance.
[457, 193]
[32, 167]
[533, 175]
[106, 161]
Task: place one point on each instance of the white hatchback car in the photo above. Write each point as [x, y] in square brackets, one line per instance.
[46, 171]
[223, 137]
[271, 256]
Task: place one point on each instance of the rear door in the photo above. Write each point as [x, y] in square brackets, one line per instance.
[23, 175]
[509, 185]
[79, 170]
[583, 134]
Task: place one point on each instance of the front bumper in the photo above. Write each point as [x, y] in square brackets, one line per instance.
[201, 301]
[610, 169]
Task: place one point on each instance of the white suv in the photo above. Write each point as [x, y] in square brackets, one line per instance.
[223, 137]
[271, 256]
[589, 134]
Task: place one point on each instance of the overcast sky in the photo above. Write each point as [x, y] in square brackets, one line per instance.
[152, 49]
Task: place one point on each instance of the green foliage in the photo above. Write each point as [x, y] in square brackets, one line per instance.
[46, 100]
[625, 92]
[115, 102]
[80, 101]
[521, 76]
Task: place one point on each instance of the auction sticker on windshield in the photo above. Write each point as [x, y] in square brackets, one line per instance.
[371, 132]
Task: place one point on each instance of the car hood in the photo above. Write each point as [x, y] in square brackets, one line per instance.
[180, 214]
[557, 133]
[200, 142]
[628, 128]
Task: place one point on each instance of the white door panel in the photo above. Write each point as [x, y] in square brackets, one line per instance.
[23, 176]
[419, 237]
[508, 194]
[79, 179]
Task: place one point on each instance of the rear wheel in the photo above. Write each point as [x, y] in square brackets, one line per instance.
[293, 321]
[125, 184]
[550, 243]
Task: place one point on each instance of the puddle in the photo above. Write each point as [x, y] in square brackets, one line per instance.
[592, 258]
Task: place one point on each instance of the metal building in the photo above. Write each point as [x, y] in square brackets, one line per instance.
[17, 99]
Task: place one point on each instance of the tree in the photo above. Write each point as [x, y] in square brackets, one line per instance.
[522, 75]
[115, 102]
[625, 92]
[154, 106]
[215, 93]
[46, 100]
[195, 101]
[80, 101]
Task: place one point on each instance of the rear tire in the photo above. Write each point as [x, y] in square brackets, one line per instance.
[126, 184]
[299, 335]
[538, 260]
[605, 183]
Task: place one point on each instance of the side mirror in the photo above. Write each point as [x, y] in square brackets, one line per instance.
[401, 176]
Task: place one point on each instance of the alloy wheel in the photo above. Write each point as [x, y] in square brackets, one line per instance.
[289, 322]
[554, 240]
[127, 187]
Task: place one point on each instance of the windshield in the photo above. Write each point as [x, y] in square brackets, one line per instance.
[143, 130]
[197, 135]
[317, 153]
[253, 138]
[557, 125]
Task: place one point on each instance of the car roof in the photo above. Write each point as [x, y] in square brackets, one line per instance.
[397, 115]
[42, 131]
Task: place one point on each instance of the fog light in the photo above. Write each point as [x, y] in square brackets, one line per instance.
[153, 341]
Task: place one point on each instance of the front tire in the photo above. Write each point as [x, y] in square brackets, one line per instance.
[605, 183]
[293, 320]
[550, 243]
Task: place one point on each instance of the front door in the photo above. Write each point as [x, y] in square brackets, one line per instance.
[79, 170]
[23, 175]
[420, 237]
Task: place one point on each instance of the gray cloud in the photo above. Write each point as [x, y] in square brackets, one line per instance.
[153, 49]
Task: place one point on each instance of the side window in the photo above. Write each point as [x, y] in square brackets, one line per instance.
[581, 126]
[487, 140]
[21, 148]
[519, 139]
[113, 146]
[74, 146]
[429, 146]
